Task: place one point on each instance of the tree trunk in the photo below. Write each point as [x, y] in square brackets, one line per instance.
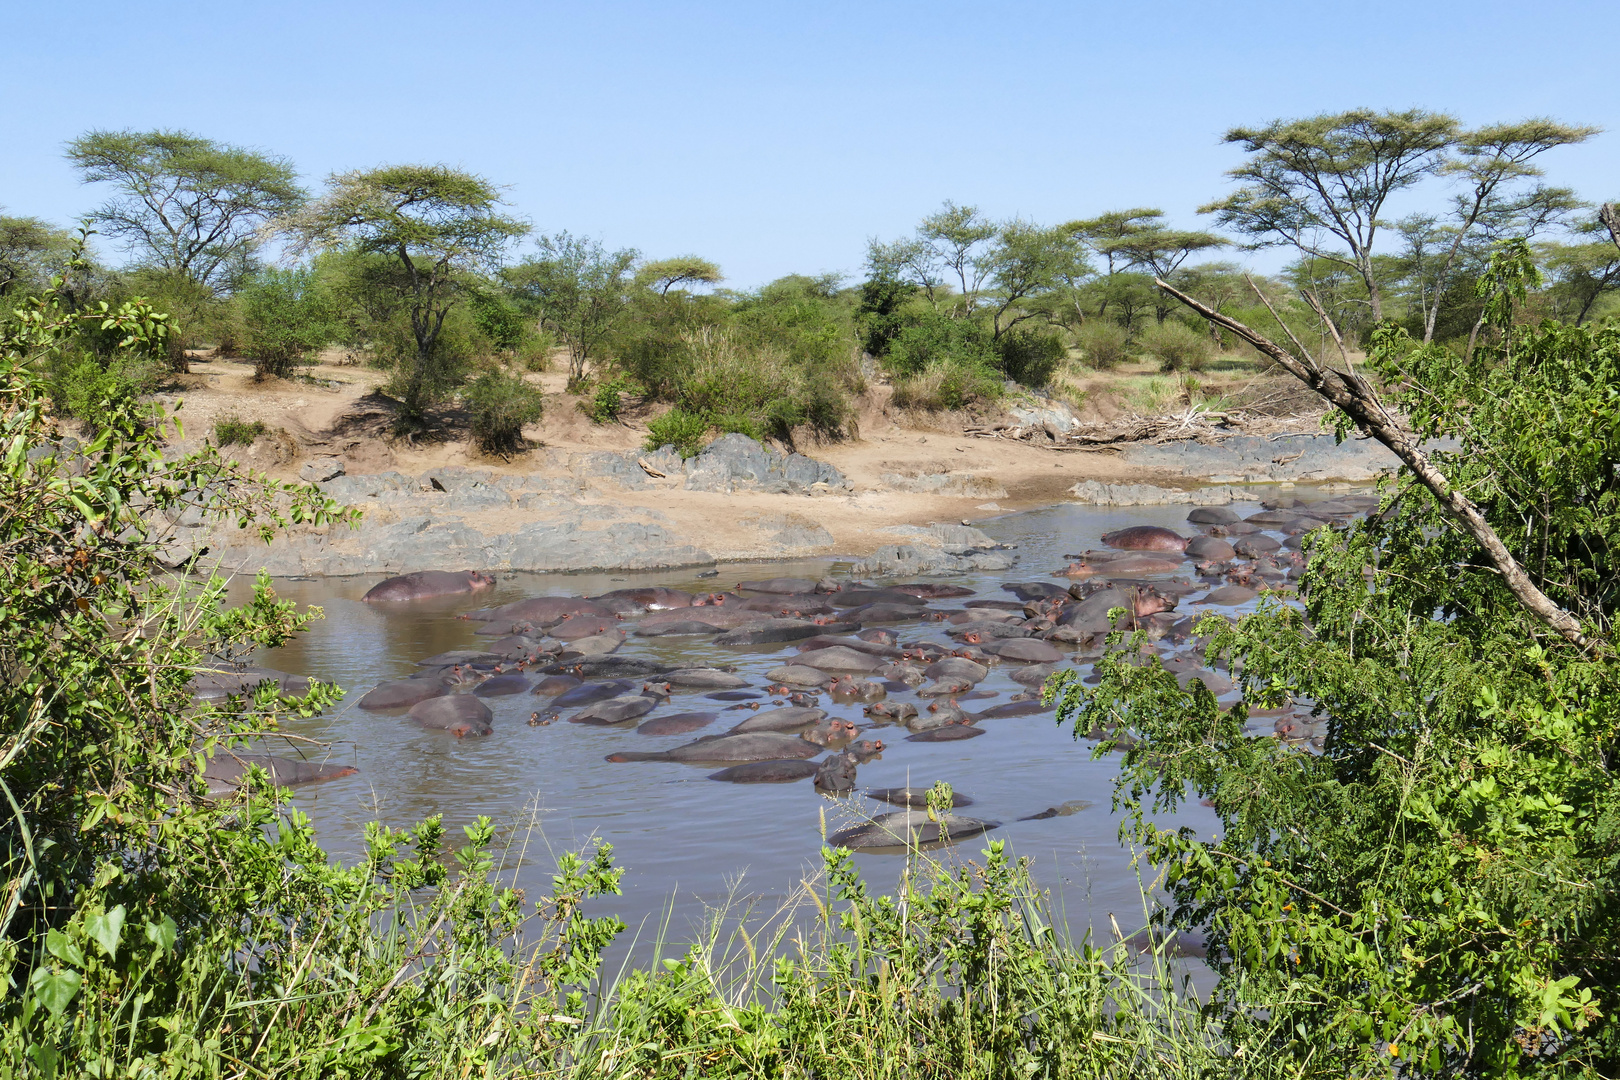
[1352, 394]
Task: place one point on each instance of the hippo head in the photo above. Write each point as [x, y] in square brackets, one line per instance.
[477, 579]
[1150, 601]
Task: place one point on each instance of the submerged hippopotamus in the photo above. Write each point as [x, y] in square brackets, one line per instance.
[226, 770]
[731, 749]
[902, 829]
[459, 714]
[427, 583]
[1146, 538]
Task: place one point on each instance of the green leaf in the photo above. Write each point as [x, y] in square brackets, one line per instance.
[105, 930]
[162, 934]
[55, 988]
[63, 948]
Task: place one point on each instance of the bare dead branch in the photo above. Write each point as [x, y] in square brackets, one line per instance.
[1352, 394]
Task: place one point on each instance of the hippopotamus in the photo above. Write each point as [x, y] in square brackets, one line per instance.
[798, 675]
[725, 749]
[1252, 547]
[1025, 651]
[543, 611]
[677, 628]
[830, 732]
[591, 693]
[616, 710]
[1228, 595]
[876, 613]
[782, 585]
[841, 659]
[402, 693]
[848, 689]
[460, 657]
[909, 674]
[947, 733]
[1073, 806]
[735, 695]
[218, 685]
[892, 711]
[793, 605]
[865, 750]
[459, 714]
[1035, 590]
[878, 636]
[850, 598]
[1211, 548]
[574, 627]
[837, 774]
[1146, 538]
[766, 772]
[552, 685]
[905, 829]
[788, 718]
[947, 687]
[607, 667]
[1212, 515]
[428, 583]
[884, 649]
[927, 590]
[914, 797]
[1015, 708]
[227, 768]
[773, 631]
[650, 599]
[956, 667]
[1034, 675]
[511, 682]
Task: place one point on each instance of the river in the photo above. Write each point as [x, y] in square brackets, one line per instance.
[688, 843]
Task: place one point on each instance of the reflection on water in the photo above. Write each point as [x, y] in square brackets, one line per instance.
[681, 837]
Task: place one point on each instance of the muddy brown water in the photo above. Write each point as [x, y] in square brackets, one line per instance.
[687, 842]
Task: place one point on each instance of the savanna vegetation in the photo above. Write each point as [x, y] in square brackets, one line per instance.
[423, 272]
[1431, 894]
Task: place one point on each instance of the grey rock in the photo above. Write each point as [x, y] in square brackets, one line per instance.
[318, 470]
[737, 463]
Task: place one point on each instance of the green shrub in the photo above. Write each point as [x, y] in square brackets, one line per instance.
[757, 390]
[946, 386]
[499, 404]
[607, 401]
[233, 431]
[1030, 357]
[935, 339]
[286, 316]
[683, 430]
[1176, 346]
[1104, 344]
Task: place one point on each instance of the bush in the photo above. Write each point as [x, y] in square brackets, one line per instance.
[682, 430]
[607, 402]
[1029, 357]
[286, 315]
[946, 386]
[936, 339]
[757, 389]
[1176, 346]
[499, 404]
[1104, 344]
[233, 430]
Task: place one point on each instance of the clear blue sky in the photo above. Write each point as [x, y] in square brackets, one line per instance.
[774, 137]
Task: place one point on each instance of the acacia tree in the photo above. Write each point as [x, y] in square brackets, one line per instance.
[665, 274]
[577, 288]
[184, 204]
[1501, 197]
[431, 228]
[1583, 272]
[1024, 262]
[1320, 185]
[27, 245]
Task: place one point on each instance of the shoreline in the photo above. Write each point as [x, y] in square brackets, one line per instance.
[906, 513]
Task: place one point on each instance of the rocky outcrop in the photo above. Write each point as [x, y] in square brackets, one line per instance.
[738, 463]
[1096, 493]
[1259, 459]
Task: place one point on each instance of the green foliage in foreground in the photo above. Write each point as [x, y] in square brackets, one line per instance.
[1438, 887]
[147, 930]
